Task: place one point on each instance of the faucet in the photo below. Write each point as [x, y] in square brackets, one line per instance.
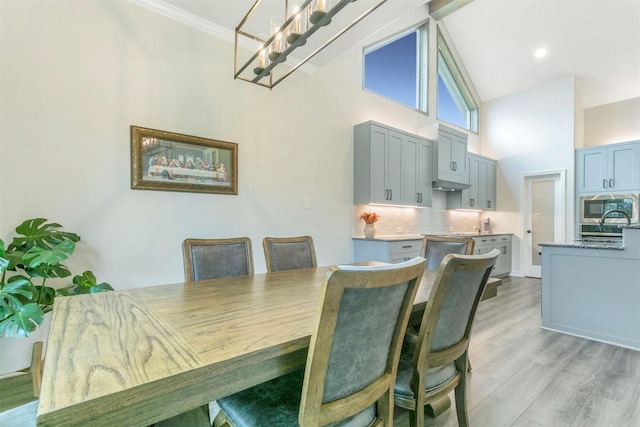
[606, 214]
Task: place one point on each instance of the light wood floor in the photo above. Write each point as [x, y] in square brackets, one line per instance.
[524, 376]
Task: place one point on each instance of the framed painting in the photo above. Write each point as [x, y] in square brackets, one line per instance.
[168, 161]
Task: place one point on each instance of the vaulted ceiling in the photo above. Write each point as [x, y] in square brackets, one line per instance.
[597, 41]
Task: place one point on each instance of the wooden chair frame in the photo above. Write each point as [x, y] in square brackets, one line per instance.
[424, 358]
[266, 245]
[187, 254]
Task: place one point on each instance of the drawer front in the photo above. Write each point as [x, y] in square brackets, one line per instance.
[402, 246]
[402, 257]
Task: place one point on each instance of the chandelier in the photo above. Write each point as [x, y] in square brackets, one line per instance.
[272, 54]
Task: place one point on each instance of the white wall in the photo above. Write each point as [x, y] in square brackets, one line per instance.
[528, 132]
[610, 123]
[75, 75]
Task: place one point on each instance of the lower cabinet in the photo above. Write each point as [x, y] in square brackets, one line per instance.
[502, 242]
[393, 251]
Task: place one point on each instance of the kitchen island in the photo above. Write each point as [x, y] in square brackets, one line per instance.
[592, 289]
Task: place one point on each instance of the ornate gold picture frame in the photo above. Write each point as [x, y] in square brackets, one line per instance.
[167, 161]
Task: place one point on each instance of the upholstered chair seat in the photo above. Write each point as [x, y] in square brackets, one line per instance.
[278, 401]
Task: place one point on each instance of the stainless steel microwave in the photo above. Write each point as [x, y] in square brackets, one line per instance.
[593, 207]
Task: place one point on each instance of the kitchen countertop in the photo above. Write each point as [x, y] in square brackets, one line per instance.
[614, 244]
[400, 237]
[630, 226]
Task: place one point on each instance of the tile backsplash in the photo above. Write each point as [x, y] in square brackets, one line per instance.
[434, 220]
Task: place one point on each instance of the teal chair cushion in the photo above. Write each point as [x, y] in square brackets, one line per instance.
[276, 404]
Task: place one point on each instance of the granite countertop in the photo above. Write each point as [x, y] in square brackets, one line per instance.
[400, 237]
[395, 238]
[630, 226]
[614, 244]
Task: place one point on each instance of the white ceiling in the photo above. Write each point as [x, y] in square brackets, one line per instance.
[597, 41]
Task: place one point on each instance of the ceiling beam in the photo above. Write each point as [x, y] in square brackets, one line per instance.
[438, 9]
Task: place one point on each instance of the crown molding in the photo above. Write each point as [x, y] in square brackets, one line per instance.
[186, 18]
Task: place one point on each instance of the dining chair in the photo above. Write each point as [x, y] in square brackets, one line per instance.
[436, 362]
[213, 258]
[352, 358]
[435, 248]
[289, 253]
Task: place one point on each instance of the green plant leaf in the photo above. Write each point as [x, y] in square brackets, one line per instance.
[102, 287]
[54, 255]
[87, 279]
[16, 292]
[22, 321]
[37, 232]
[49, 271]
[85, 283]
[45, 296]
[4, 261]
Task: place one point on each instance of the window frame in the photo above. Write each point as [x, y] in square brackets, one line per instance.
[422, 65]
[456, 85]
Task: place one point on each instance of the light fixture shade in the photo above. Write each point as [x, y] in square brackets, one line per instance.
[296, 30]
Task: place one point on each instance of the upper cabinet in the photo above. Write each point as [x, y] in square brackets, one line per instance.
[391, 166]
[481, 194]
[451, 165]
[611, 168]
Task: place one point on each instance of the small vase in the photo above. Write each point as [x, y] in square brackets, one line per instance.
[369, 231]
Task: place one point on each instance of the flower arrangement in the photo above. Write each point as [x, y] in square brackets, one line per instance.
[370, 217]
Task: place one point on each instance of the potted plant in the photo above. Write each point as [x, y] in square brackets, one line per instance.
[33, 257]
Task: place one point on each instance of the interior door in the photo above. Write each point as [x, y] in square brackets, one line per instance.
[542, 218]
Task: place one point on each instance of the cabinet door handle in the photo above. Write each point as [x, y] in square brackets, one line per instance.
[489, 204]
[455, 166]
[406, 246]
[604, 183]
[471, 202]
[611, 182]
[390, 194]
[451, 166]
[504, 249]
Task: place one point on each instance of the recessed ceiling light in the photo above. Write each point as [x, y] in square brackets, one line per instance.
[540, 52]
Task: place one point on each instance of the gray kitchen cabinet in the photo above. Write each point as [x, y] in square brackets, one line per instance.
[451, 163]
[417, 174]
[391, 166]
[393, 251]
[481, 194]
[613, 168]
[502, 242]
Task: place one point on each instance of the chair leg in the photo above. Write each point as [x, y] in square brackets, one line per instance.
[385, 409]
[36, 368]
[461, 403]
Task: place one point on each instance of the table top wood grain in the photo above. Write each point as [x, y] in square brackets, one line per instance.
[138, 356]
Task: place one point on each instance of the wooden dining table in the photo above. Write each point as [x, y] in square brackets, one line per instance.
[137, 356]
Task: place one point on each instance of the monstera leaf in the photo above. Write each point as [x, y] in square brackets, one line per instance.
[14, 292]
[85, 284]
[4, 261]
[22, 321]
[37, 232]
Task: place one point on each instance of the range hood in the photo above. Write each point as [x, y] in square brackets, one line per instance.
[442, 185]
